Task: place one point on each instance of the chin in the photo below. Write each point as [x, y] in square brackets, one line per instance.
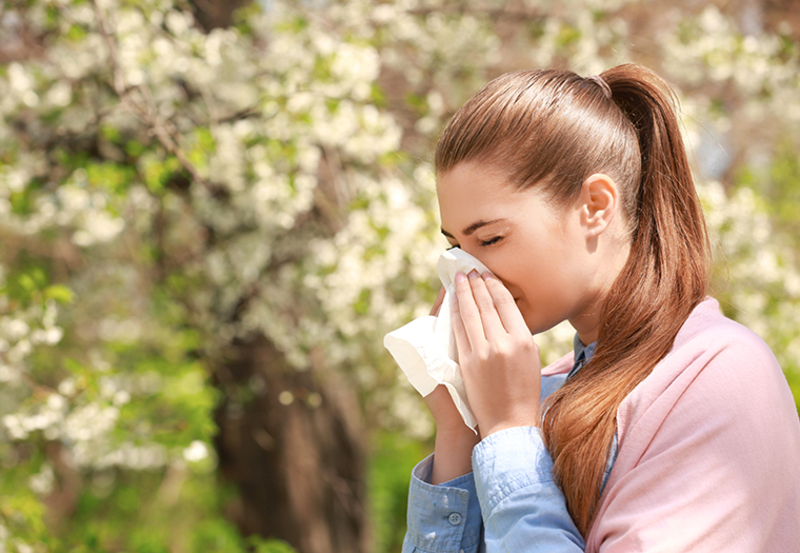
[536, 325]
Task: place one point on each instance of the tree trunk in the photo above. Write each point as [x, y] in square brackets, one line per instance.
[294, 449]
[291, 441]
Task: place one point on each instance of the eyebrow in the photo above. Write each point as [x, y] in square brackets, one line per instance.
[473, 227]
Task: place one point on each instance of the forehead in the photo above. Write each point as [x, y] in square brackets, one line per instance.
[473, 190]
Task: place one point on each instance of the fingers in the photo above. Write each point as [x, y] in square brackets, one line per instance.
[498, 358]
[469, 312]
[490, 318]
[510, 315]
[477, 309]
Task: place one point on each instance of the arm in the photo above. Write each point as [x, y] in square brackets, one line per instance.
[444, 518]
[523, 509]
[512, 486]
[443, 512]
[454, 439]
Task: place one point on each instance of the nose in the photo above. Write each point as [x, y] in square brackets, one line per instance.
[474, 253]
[477, 255]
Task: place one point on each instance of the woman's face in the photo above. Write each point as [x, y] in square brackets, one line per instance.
[540, 252]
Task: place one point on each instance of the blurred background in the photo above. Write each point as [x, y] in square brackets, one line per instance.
[212, 211]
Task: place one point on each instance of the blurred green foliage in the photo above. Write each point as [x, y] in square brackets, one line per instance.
[779, 184]
[391, 462]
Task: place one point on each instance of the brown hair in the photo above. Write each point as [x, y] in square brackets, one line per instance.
[552, 129]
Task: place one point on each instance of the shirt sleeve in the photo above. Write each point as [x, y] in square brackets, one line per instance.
[523, 509]
[444, 518]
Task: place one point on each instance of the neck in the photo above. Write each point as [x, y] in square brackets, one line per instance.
[606, 265]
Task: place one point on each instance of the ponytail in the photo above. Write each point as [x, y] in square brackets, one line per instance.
[665, 277]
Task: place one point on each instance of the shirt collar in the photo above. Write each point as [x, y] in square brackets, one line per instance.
[582, 354]
[579, 348]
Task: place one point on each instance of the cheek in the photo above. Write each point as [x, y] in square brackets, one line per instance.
[507, 268]
[523, 268]
[539, 283]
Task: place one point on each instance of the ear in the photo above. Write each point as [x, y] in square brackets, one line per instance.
[599, 203]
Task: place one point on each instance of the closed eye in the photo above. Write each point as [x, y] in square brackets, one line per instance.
[494, 240]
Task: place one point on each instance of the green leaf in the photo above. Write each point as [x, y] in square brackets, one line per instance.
[60, 293]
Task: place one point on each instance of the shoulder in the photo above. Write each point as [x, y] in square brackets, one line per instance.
[709, 341]
[707, 330]
[715, 367]
[692, 470]
[719, 360]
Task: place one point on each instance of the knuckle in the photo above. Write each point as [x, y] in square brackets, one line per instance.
[502, 295]
[522, 344]
[527, 344]
[521, 341]
[469, 315]
[502, 348]
[504, 300]
[484, 354]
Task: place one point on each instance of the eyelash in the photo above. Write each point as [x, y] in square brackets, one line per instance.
[494, 240]
[482, 243]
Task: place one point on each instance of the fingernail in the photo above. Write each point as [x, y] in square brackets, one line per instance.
[487, 275]
[460, 277]
[473, 274]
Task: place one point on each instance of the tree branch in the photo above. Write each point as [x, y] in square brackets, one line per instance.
[145, 109]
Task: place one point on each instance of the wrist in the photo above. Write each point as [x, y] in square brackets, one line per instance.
[443, 410]
[453, 454]
[461, 435]
[528, 421]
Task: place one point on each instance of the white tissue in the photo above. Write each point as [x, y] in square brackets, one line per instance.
[425, 348]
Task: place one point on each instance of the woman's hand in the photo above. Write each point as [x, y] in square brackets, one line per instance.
[454, 439]
[499, 359]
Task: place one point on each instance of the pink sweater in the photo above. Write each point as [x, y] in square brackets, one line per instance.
[709, 449]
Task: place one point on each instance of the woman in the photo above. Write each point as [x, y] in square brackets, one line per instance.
[671, 427]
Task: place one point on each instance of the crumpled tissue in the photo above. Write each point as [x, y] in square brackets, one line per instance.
[425, 348]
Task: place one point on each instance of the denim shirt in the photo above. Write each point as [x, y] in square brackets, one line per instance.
[508, 503]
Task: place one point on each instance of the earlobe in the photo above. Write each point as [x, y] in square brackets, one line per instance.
[600, 198]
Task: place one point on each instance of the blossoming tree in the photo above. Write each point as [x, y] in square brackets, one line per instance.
[207, 229]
